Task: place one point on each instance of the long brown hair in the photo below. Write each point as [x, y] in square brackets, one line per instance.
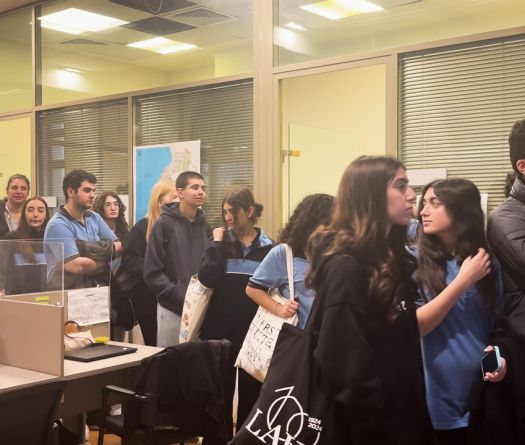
[462, 202]
[25, 232]
[360, 225]
[121, 225]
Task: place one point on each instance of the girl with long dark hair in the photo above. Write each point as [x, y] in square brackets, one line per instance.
[368, 355]
[26, 257]
[112, 209]
[237, 249]
[456, 330]
[312, 212]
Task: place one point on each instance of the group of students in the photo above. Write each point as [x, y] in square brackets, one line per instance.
[404, 325]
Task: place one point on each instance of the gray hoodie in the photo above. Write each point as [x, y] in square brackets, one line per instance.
[173, 254]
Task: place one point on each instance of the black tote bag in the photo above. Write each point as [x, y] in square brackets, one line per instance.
[291, 408]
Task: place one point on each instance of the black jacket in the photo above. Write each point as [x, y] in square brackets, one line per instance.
[498, 412]
[506, 233]
[4, 227]
[189, 386]
[226, 268]
[173, 254]
[370, 366]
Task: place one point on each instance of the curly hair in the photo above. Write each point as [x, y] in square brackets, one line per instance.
[313, 211]
[121, 227]
[462, 202]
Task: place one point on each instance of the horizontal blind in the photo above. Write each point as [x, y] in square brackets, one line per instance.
[221, 116]
[457, 106]
[93, 137]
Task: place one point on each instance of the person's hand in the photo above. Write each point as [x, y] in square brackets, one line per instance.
[287, 309]
[218, 234]
[496, 376]
[474, 268]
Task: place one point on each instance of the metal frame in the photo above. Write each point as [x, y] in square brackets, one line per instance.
[266, 78]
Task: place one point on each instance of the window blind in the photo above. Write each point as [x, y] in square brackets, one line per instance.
[93, 137]
[221, 116]
[457, 106]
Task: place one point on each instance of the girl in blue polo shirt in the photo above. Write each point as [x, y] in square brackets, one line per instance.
[452, 240]
[312, 212]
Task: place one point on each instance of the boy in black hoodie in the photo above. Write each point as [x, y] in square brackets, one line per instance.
[173, 254]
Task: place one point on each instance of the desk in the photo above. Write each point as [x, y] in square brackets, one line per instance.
[86, 380]
[13, 378]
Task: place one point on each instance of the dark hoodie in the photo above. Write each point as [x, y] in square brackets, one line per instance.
[173, 254]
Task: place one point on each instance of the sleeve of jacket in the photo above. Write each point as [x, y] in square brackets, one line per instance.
[154, 274]
[344, 355]
[213, 265]
[134, 250]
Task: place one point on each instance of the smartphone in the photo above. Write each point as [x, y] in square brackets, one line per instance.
[491, 361]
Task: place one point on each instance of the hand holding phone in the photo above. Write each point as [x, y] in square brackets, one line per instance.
[491, 362]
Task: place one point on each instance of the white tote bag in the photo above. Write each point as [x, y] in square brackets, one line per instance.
[258, 346]
[196, 303]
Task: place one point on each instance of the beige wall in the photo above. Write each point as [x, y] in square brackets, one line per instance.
[15, 149]
[331, 118]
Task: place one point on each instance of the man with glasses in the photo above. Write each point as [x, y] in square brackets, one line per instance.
[88, 241]
[17, 191]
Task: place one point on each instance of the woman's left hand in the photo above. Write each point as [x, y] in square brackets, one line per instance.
[496, 376]
[287, 309]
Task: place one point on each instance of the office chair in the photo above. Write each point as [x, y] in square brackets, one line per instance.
[180, 395]
[27, 415]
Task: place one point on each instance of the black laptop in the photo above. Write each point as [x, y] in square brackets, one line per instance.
[97, 351]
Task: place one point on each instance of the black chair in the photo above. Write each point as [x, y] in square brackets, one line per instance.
[27, 415]
[180, 395]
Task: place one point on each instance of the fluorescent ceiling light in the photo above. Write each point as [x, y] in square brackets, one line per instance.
[74, 70]
[338, 9]
[77, 21]
[162, 45]
[9, 92]
[295, 26]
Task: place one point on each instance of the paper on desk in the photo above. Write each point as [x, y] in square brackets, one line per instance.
[88, 306]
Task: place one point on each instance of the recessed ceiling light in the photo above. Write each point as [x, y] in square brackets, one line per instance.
[338, 9]
[162, 45]
[77, 21]
[295, 26]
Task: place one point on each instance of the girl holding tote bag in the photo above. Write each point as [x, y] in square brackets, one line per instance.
[237, 249]
[368, 356]
[312, 212]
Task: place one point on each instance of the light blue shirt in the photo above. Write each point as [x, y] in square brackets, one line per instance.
[272, 274]
[452, 352]
[62, 228]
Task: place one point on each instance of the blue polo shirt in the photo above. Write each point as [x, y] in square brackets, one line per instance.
[63, 228]
[452, 352]
[272, 274]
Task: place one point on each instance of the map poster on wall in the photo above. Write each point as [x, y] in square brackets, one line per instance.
[163, 162]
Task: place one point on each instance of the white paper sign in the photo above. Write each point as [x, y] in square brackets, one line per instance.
[88, 306]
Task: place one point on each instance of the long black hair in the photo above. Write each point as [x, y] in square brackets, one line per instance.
[462, 202]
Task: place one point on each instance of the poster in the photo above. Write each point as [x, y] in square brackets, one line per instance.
[153, 163]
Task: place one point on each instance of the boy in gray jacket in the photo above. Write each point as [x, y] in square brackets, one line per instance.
[174, 251]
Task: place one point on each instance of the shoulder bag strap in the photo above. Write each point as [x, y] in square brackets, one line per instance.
[289, 269]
